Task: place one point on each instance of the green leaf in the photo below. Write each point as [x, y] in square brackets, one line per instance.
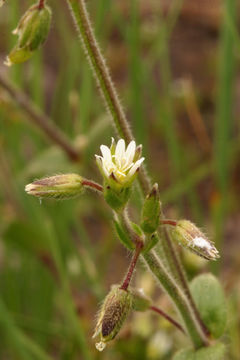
[123, 237]
[210, 301]
[215, 352]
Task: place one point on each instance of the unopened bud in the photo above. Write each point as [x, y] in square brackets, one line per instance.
[112, 315]
[140, 301]
[151, 211]
[57, 187]
[150, 241]
[32, 32]
[189, 236]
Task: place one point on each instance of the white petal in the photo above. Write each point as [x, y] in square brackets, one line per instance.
[135, 167]
[105, 170]
[130, 152]
[120, 150]
[106, 153]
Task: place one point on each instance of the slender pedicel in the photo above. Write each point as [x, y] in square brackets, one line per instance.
[167, 317]
[132, 266]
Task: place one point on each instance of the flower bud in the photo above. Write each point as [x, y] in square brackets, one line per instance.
[189, 236]
[151, 211]
[57, 187]
[140, 301]
[32, 32]
[112, 315]
[150, 241]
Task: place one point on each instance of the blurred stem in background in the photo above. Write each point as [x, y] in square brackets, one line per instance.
[69, 306]
[37, 116]
[21, 343]
[224, 125]
[139, 118]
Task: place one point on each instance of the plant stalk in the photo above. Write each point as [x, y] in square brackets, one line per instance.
[41, 4]
[92, 185]
[132, 266]
[177, 296]
[103, 77]
[109, 94]
[167, 317]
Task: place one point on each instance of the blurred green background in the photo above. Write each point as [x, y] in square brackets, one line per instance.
[176, 67]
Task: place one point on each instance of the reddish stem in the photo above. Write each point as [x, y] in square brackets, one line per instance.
[41, 4]
[167, 317]
[168, 222]
[132, 266]
[92, 185]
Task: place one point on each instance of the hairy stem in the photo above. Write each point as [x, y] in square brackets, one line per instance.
[103, 77]
[178, 297]
[99, 67]
[92, 185]
[132, 266]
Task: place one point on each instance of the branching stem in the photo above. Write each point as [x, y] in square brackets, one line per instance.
[92, 185]
[40, 119]
[168, 222]
[41, 4]
[167, 317]
[132, 266]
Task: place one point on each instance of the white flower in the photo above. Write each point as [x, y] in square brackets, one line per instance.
[118, 162]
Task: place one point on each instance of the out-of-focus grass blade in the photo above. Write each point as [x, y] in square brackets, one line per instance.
[224, 119]
[21, 344]
[136, 75]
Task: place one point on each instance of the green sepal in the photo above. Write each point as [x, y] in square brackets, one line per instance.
[215, 352]
[40, 29]
[25, 26]
[151, 211]
[32, 32]
[116, 199]
[18, 56]
[140, 302]
[124, 238]
[150, 242]
[137, 229]
[210, 301]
